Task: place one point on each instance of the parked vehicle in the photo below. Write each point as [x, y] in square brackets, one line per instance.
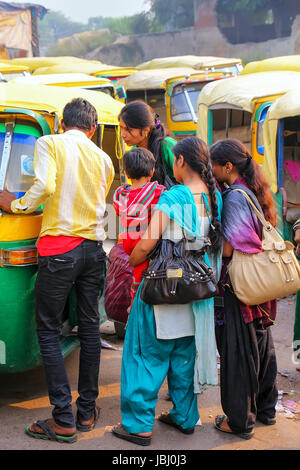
[10, 71]
[26, 113]
[172, 93]
[289, 62]
[210, 63]
[281, 164]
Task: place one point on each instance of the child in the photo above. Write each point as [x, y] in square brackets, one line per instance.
[134, 203]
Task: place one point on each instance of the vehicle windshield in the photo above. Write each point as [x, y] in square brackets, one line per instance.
[180, 109]
[107, 90]
[260, 137]
[20, 172]
[232, 69]
[12, 75]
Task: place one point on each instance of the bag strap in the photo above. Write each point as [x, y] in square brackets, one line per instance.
[266, 224]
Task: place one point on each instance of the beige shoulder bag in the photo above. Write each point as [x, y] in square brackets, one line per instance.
[271, 274]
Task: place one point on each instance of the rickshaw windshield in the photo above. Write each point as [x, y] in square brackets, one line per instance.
[260, 140]
[12, 75]
[180, 107]
[107, 90]
[19, 174]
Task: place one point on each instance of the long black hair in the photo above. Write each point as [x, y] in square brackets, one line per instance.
[138, 115]
[196, 155]
[235, 152]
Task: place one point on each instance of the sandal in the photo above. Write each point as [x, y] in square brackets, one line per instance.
[49, 434]
[167, 419]
[220, 419]
[88, 427]
[120, 432]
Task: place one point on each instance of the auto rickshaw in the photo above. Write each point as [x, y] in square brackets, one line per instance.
[281, 164]
[210, 63]
[9, 71]
[26, 113]
[80, 80]
[172, 93]
[237, 108]
[289, 62]
[34, 63]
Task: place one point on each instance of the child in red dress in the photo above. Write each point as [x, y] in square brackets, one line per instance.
[134, 203]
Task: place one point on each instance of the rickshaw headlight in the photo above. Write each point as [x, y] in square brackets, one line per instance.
[21, 256]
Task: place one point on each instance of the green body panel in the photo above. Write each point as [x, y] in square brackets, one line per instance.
[187, 133]
[19, 349]
[284, 228]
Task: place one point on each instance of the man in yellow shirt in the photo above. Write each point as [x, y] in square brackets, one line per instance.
[72, 179]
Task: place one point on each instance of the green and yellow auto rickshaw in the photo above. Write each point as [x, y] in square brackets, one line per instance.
[281, 164]
[237, 108]
[172, 93]
[26, 113]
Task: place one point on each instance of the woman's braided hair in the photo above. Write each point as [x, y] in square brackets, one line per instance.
[196, 155]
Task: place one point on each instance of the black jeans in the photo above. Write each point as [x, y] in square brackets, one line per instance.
[83, 267]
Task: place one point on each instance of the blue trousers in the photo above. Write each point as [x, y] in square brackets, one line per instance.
[146, 362]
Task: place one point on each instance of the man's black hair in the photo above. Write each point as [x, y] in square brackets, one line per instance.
[138, 162]
[80, 113]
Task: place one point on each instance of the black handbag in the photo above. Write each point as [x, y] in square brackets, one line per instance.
[177, 273]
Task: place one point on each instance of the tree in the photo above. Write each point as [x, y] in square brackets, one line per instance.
[172, 14]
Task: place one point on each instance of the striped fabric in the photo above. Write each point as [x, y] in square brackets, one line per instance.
[72, 180]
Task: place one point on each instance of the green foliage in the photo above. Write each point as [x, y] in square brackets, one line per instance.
[173, 14]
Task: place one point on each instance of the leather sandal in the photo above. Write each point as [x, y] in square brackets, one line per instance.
[88, 427]
[220, 419]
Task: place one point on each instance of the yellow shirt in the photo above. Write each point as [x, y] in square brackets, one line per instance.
[72, 179]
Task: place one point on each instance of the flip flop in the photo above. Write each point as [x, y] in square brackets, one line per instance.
[219, 421]
[167, 419]
[88, 427]
[120, 432]
[49, 434]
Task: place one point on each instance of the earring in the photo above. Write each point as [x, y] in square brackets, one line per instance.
[227, 171]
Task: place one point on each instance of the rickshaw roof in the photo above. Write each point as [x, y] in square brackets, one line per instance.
[36, 62]
[57, 78]
[90, 68]
[53, 99]
[289, 62]
[153, 79]
[287, 105]
[241, 91]
[196, 62]
[6, 67]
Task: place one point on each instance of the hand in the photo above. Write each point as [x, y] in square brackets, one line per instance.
[6, 199]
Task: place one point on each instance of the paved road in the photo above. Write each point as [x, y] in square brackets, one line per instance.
[23, 399]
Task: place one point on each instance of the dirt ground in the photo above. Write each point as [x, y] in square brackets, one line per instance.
[23, 399]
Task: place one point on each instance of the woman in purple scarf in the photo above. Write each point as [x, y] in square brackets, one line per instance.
[248, 361]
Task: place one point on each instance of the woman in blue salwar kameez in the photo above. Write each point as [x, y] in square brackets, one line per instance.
[173, 341]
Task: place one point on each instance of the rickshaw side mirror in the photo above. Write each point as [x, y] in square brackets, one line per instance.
[121, 93]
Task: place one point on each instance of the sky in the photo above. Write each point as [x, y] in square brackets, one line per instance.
[81, 10]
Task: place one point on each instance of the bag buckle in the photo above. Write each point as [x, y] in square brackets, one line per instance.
[172, 272]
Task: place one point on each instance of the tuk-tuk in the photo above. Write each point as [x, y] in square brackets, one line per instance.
[97, 69]
[34, 63]
[210, 63]
[237, 108]
[11, 71]
[281, 164]
[289, 62]
[26, 113]
[80, 80]
[172, 93]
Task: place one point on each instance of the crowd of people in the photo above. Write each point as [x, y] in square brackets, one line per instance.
[180, 342]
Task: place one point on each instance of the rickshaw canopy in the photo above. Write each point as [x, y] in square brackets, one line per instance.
[196, 62]
[6, 67]
[287, 105]
[153, 79]
[36, 62]
[241, 92]
[63, 79]
[90, 68]
[289, 62]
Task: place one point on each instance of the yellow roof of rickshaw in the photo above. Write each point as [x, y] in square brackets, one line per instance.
[241, 91]
[196, 62]
[90, 68]
[289, 62]
[6, 67]
[36, 62]
[63, 78]
[53, 99]
[287, 105]
[153, 79]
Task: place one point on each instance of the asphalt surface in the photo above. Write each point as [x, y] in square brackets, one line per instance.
[24, 399]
